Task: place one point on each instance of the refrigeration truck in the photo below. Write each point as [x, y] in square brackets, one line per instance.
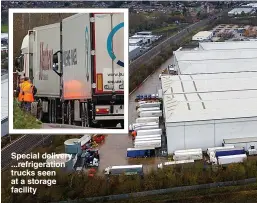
[77, 67]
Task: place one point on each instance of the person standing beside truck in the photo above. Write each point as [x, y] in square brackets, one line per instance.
[18, 92]
[26, 94]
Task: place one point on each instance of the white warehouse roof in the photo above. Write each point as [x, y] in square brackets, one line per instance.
[238, 11]
[215, 55]
[228, 45]
[203, 34]
[216, 66]
[209, 96]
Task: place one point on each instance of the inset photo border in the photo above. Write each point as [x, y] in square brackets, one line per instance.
[70, 70]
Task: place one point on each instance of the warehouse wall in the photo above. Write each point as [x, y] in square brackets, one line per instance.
[205, 134]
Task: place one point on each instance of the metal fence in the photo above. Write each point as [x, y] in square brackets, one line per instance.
[162, 191]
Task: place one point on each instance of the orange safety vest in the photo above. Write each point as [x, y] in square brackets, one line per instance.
[26, 92]
[20, 97]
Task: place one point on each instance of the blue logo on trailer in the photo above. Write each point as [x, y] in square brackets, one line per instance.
[109, 44]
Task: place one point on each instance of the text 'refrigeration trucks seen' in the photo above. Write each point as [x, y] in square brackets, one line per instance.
[89, 49]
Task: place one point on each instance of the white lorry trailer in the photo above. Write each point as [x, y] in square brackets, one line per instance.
[152, 143]
[148, 119]
[126, 170]
[248, 143]
[149, 132]
[150, 105]
[155, 113]
[136, 125]
[191, 155]
[213, 149]
[148, 109]
[172, 163]
[223, 160]
[147, 127]
[72, 64]
[148, 136]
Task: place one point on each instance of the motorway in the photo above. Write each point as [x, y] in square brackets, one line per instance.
[22, 145]
[150, 86]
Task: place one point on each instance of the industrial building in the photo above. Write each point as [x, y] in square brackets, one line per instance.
[202, 110]
[214, 55]
[213, 96]
[216, 66]
[134, 52]
[136, 42]
[227, 45]
[4, 105]
[203, 35]
[239, 11]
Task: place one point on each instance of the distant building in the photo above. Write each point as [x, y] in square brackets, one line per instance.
[239, 11]
[136, 42]
[203, 35]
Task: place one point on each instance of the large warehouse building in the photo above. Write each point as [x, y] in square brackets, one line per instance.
[184, 59]
[213, 97]
[227, 45]
[202, 110]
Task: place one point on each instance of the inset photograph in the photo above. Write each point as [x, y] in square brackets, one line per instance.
[68, 69]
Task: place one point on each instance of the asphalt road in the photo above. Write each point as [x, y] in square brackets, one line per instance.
[150, 86]
[20, 146]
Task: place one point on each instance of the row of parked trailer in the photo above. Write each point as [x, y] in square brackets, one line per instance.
[231, 151]
[146, 131]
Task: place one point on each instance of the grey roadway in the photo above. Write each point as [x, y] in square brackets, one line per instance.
[150, 86]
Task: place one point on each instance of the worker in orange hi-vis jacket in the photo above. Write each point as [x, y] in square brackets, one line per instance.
[134, 134]
[26, 94]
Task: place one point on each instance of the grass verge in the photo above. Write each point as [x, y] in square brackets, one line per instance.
[24, 120]
[235, 194]
[4, 28]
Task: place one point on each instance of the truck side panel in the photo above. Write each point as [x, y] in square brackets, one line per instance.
[77, 57]
[46, 43]
[109, 53]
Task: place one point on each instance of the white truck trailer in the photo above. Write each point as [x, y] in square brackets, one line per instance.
[188, 150]
[223, 160]
[156, 113]
[149, 132]
[73, 65]
[213, 149]
[148, 119]
[136, 125]
[150, 105]
[248, 143]
[126, 170]
[148, 136]
[144, 144]
[191, 155]
[148, 127]
[172, 163]
[148, 109]
[139, 139]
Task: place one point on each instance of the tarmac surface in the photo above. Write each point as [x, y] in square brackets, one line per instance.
[150, 86]
[113, 152]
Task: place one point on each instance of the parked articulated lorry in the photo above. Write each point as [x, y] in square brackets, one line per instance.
[126, 170]
[77, 67]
